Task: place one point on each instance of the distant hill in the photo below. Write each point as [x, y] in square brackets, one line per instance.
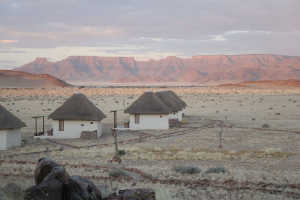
[10, 78]
[203, 69]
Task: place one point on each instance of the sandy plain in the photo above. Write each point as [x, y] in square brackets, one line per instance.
[249, 152]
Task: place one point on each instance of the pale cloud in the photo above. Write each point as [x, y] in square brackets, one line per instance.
[9, 41]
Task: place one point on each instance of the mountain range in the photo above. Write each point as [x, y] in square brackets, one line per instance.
[202, 69]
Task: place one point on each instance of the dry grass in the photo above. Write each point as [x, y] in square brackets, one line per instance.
[247, 154]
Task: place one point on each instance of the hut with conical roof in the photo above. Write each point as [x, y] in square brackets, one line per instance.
[10, 129]
[170, 101]
[75, 116]
[148, 112]
[178, 99]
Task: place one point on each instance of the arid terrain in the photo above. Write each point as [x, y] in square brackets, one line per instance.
[260, 142]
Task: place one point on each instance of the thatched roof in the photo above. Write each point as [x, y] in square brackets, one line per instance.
[169, 101]
[78, 107]
[174, 99]
[177, 97]
[8, 120]
[148, 103]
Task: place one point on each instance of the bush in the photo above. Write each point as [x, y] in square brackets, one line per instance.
[277, 114]
[187, 169]
[215, 170]
[121, 152]
[265, 126]
[117, 173]
[253, 119]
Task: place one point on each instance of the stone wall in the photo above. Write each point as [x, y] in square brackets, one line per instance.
[88, 134]
[173, 122]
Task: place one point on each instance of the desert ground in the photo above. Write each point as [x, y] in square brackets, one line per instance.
[259, 144]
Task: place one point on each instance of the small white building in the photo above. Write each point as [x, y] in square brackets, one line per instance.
[10, 129]
[172, 104]
[77, 114]
[148, 112]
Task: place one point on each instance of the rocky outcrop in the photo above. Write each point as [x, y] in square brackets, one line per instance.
[54, 183]
[58, 173]
[44, 167]
[50, 190]
[57, 185]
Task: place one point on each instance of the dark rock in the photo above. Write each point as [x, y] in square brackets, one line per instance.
[51, 190]
[58, 173]
[113, 196]
[44, 167]
[87, 186]
[137, 193]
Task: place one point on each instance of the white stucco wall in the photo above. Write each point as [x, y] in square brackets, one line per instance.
[99, 125]
[150, 122]
[180, 115]
[2, 139]
[73, 128]
[10, 138]
[13, 138]
[176, 115]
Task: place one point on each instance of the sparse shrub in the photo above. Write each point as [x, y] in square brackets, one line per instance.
[25, 141]
[215, 170]
[217, 111]
[117, 173]
[81, 87]
[265, 126]
[241, 105]
[271, 108]
[187, 169]
[121, 152]
[277, 114]
[253, 119]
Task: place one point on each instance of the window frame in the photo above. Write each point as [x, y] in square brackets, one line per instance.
[135, 116]
[61, 121]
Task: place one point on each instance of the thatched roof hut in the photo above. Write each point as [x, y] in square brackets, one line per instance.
[8, 120]
[176, 97]
[148, 103]
[78, 107]
[168, 99]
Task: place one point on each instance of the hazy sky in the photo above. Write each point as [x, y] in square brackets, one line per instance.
[144, 29]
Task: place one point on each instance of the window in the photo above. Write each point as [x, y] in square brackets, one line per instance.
[137, 119]
[91, 122]
[61, 125]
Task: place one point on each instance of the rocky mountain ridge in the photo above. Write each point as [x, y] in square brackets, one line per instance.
[203, 69]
